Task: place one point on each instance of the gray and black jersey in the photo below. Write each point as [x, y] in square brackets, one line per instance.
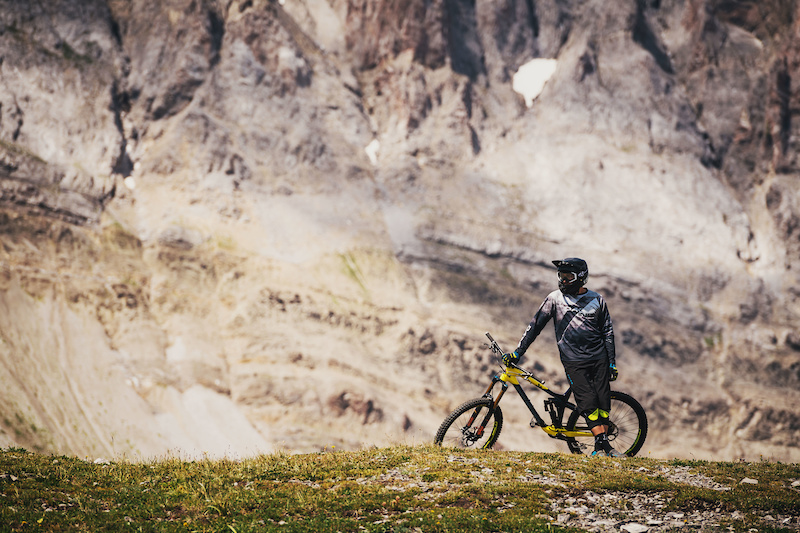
[582, 323]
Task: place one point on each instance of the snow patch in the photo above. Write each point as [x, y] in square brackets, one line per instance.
[531, 77]
[372, 151]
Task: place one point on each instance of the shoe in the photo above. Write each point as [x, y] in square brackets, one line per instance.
[610, 453]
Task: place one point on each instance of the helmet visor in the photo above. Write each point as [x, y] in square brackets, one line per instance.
[567, 277]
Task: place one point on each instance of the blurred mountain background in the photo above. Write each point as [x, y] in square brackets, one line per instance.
[230, 227]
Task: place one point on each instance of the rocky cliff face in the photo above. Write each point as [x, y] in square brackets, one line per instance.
[230, 227]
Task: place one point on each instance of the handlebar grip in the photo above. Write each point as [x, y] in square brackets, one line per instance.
[490, 336]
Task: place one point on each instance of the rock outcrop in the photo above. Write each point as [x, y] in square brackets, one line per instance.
[230, 227]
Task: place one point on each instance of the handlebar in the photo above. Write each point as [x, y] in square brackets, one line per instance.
[495, 347]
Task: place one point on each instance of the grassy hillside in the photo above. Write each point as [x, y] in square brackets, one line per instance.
[394, 489]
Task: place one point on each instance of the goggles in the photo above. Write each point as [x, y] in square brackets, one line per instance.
[567, 277]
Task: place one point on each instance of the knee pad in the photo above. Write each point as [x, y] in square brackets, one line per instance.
[597, 418]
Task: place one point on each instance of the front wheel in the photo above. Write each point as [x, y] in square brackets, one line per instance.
[627, 426]
[474, 424]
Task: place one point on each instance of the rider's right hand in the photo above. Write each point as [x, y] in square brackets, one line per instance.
[509, 358]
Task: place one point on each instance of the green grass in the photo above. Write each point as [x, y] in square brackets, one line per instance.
[380, 489]
[351, 269]
[20, 150]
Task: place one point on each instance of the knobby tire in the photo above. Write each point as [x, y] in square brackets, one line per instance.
[627, 428]
[457, 432]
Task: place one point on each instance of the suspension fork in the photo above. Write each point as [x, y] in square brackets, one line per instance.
[495, 403]
[488, 393]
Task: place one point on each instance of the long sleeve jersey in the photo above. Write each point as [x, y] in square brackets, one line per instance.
[582, 324]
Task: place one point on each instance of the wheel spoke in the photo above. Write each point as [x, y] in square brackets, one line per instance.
[627, 427]
[462, 428]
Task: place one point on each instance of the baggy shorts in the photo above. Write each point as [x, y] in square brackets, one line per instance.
[592, 389]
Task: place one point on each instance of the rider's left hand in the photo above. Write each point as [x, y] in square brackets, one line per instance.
[509, 358]
[613, 372]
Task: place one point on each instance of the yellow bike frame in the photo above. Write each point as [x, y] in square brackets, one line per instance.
[513, 375]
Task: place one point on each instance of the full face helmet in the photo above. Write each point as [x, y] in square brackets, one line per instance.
[572, 274]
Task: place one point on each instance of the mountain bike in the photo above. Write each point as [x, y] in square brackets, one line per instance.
[477, 423]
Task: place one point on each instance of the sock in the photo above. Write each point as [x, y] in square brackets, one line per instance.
[601, 442]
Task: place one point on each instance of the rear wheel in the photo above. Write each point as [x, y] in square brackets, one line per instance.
[474, 424]
[627, 427]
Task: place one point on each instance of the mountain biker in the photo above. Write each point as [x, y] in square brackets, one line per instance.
[585, 340]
